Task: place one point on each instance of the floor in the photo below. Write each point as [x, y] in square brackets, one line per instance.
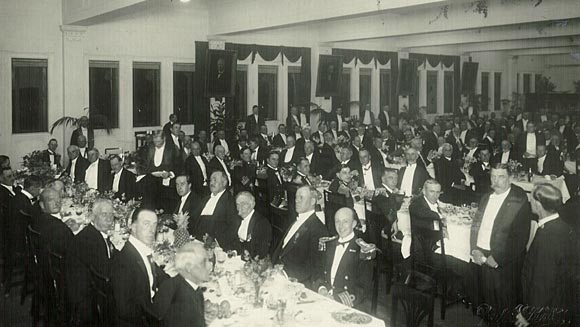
[12, 314]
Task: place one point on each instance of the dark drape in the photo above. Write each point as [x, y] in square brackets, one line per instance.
[201, 103]
[380, 57]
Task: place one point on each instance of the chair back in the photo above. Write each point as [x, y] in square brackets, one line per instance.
[417, 295]
[103, 301]
[57, 288]
[374, 223]
[332, 203]
[279, 219]
[32, 239]
[262, 199]
[111, 151]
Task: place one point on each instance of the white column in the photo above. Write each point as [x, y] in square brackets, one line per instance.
[510, 78]
[355, 91]
[126, 102]
[440, 89]
[166, 91]
[375, 90]
[403, 100]
[252, 86]
[282, 89]
[532, 83]
[491, 91]
[521, 83]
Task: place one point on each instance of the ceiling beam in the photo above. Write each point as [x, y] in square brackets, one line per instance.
[80, 12]
[545, 51]
[235, 16]
[421, 21]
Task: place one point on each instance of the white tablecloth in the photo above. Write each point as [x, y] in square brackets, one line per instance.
[559, 183]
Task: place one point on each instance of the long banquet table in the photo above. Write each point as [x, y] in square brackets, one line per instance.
[313, 310]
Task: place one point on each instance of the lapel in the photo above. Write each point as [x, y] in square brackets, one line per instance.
[298, 235]
[134, 254]
[510, 204]
[251, 227]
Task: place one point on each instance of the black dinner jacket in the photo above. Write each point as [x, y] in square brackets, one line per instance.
[328, 161]
[80, 169]
[421, 214]
[317, 164]
[278, 141]
[130, 284]
[521, 145]
[21, 211]
[222, 225]
[252, 126]
[191, 203]
[481, 177]
[126, 184]
[377, 171]
[245, 170]
[259, 236]
[262, 154]
[353, 274]
[552, 165]
[275, 187]
[171, 159]
[104, 177]
[88, 249]
[214, 165]
[295, 156]
[419, 178]
[147, 190]
[497, 157]
[264, 141]
[448, 172]
[90, 138]
[388, 207]
[46, 157]
[300, 257]
[193, 170]
[511, 228]
[55, 234]
[177, 304]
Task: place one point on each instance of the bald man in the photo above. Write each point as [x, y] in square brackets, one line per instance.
[412, 176]
[77, 164]
[346, 276]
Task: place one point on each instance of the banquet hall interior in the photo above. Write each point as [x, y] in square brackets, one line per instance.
[289, 163]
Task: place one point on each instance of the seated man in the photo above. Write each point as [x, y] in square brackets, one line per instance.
[123, 181]
[413, 176]
[480, 171]
[217, 215]
[135, 277]
[50, 156]
[342, 184]
[218, 163]
[547, 163]
[448, 173]
[196, 166]
[346, 277]
[426, 222]
[255, 232]
[98, 173]
[188, 200]
[77, 165]
[244, 176]
[387, 201]
[291, 153]
[302, 176]
[505, 155]
[369, 172]
[298, 250]
[179, 301]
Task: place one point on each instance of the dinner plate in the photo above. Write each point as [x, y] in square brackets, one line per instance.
[351, 317]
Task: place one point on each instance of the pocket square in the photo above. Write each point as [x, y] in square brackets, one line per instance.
[352, 250]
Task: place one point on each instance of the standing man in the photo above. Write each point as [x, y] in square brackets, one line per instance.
[254, 121]
[196, 169]
[298, 250]
[164, 164]
[369, 173]
[499, 234]
[84, 129]
[274, 182]
[169, 124]
[528, 143]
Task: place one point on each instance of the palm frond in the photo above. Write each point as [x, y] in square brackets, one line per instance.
[64, 122]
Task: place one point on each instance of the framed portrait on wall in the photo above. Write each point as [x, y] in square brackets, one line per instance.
[220, 73]
[329, 75]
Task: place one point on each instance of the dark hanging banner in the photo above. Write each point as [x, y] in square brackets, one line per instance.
[201, 103]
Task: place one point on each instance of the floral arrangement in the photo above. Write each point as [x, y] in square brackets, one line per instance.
[163, 253]
[468, 162]
[262, 172]
[287, 172]
[514, 167]
[208, 156]
[34, 165]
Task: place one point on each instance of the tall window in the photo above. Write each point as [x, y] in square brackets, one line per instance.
[146, 94]
[385, 86]
[294, 87]
[484, 91]
[268, 90]
[29, 95]
[342, 100]
[431, 92]
[414, 96]
[527, 81]
[448, 92]
[183, 86]
[365, 89]
[240, 100]
[104, 93]
[497, 91]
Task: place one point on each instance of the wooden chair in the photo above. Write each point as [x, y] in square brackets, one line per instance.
[102, 297]
[280, 223]
[35, 272]
[16, 263]
[417, 296]
[57, 290]
[332, 203]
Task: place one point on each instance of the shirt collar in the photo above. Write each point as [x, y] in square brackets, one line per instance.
[276, 169]
[303, 216]
[249, 216]
[185, 196]
[546, 220]
[217, 195]
[192, 284]
[141, 247]
[120, 171]
[504, 194]
[28, 195]
[348, 238]
[367, 166]
[388, 189]
[8, 187]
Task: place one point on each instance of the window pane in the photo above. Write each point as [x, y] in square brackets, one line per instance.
[343, 99]
[365, 88]
[431, 92]
[497, 91]
[414, 96]
[448, 92]
[241, 93]
[29, 95]
[484, 91]
[527, 78]
[385, 87]
[146, 94]
[183, 86]
[268, 90]
[294, 87]
[104, 93]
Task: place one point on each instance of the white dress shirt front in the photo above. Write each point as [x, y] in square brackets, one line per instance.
[225, 170]
[116, 180]
[202, 167]
[541, 164]
[92, 174]
[531, 144]
[224, 143]
[339, 122]
[158, 157]
[407, 181]
[302, 217]
[9, 188]
[505, 157]
[211, 204]
[289, 154]
[83, 152]
[489, 216]
[182, 203]
[368, 177]
[338, 254]
[73, 166]
[243, 230]
[51, 157]
[176, 141]
[144, 251]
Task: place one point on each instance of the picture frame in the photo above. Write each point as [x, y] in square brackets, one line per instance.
[220, 78]
[329, 75]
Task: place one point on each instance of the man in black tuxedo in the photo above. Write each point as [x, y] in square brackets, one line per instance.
[147, 187]
[413, 176]
[448, 173]
[164, 163]
[123, 181]
[202, 139]
[422, 155]
[298, 250]
[274, 181]
[426, 224]
[254, 121]
[264, 138]
[480, 171]
[430, 138]
[291, 153]
[306, 136]
[279, 140]
[527, 145]
[454, 138]
[347, 158]
[188, 200]
[98, 173]
[255, 232]
[378, 156]
[173, 137]
[499, 234]
[345, 275]
[259, 152]
[7, 193]
[387, 201]
[196, 169]
[293, 119]
[180, 300]
[317, 166]
[50, 156]
[547, 163]
[218, 163]
[369, 173]
[220, 139]
[327, 157]
[135, 277]
[244, 176]
[505, 155]
[302, 175]
[169, 124]
[217, 215]
[384, 117]
[85, 130]
[91, 248]
[77, 165]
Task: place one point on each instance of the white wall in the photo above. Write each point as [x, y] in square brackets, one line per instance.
[563, 71]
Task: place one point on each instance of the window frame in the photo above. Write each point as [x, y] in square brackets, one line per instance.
[42, 62]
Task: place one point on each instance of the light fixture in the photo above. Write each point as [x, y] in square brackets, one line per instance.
[185, 1]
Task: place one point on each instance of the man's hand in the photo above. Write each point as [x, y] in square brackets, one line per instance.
[491, 262]
[521, 321]
[478, 257]
[395, 227]
[346, 298]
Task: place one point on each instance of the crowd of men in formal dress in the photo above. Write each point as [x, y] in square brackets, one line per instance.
[212, 186]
